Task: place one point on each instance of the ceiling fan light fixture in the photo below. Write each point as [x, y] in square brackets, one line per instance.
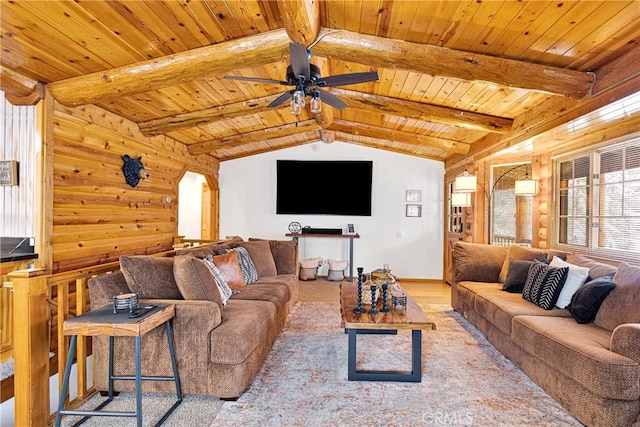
[315, 106]
[295, 108]
[298, 97]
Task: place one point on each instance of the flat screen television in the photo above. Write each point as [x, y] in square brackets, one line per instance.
[324, 187]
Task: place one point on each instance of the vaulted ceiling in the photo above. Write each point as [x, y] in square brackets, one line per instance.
[455, 76]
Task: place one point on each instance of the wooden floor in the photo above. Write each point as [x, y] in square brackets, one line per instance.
[428, 291]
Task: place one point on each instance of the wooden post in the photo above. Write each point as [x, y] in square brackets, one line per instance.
[31, 347]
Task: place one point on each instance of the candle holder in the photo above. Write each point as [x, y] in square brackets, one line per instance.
[385, 306]
[374, 310]
[359, 308]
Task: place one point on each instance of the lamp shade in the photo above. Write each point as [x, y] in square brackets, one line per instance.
[526, 187]
[465, 183]
[461, 200]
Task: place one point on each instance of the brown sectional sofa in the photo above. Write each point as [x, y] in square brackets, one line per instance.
[219, 348]
[592, 369]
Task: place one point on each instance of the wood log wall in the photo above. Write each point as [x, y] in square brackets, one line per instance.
[97, 216]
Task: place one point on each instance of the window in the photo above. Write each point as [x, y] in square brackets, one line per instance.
[599, 201]
[511, 215]
[455, 215]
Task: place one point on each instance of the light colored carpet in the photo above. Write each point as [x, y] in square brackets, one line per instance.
[303, 382]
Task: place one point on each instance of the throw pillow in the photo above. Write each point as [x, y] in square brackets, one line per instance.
[520, 253]
[150, 276]
[229, 265]
[249, 272]
[516, 276]
[285, 254]
[544, 284]
[260, 253]
[588, 299]
[575, 279]
[195, 280]
[223, 287]
[621, 306]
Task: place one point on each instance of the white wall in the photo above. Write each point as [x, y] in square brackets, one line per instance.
[411, 246]
[190, 205]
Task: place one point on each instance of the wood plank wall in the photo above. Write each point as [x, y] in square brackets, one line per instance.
[97, 216]
[19, 141]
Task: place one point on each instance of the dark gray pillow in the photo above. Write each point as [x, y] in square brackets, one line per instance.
[516, 276]
[588, 299]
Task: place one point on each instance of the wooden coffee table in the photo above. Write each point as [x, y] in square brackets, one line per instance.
[410, 318]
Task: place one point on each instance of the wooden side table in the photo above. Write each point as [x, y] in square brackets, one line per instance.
[103, 322]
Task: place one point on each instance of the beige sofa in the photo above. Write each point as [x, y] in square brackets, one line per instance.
[592, 369]
[219, 348]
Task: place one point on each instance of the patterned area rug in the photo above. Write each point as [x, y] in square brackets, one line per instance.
[465, 380]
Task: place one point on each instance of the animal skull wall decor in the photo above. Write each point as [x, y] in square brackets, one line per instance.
[133, 170]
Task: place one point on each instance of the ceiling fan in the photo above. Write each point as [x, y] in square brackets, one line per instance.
[308, 82]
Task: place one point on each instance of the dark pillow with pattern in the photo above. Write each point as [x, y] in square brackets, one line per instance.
[588, 299]
[544, 284]
[516, 276]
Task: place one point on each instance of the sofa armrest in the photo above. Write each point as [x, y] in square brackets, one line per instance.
[477, 262]
[625, 340]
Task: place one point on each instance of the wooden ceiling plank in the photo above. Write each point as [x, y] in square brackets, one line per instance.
[617, 71]
[224, 154]
[395, 135]
[301, 19]
[154, 74]
[250, 137]
[410, 150]
[434, 113]
[379, 52]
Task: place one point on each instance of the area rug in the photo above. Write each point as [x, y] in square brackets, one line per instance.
[465, 380]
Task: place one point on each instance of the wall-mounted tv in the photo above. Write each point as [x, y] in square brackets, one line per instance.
[324, 187]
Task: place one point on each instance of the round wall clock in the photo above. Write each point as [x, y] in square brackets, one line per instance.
[295, 227]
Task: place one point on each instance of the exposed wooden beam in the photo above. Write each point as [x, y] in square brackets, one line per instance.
[618, 71]
[541, 118]
[203, 117]
[438, 61]
[18, 89]
[173, 69]
[301, 19]
[396, 147]
[271, 145]
[327, 136]
[250, 137]
[426, 112]
[363, 129]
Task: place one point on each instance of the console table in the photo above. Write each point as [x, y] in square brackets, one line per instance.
[332, 236]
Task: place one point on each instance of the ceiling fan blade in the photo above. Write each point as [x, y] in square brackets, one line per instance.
[281, 99]
[348, 79]
[299, 60]
[331, 99]
[257, 79]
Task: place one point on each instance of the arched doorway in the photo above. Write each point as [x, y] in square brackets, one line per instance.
[197, 207]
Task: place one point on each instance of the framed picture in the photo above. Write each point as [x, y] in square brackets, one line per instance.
[414, 211]
[413, 196]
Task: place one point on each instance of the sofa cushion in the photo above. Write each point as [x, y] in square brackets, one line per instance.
[621, 305]
[103, 288]
[516, 276]
[499, 308]
[285, 255]
[575, 279]
[544, 284]
[229, 265]
[587, 300]
[289, 280]
[477, 262]
[245, 324]
[596, 269]
[277, 293]
[150, 276]
[260, 252]
[580, 352]
[520, 253]
[195, 280]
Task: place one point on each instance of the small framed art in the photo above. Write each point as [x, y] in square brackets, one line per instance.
[414, 211]
[413, 196]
